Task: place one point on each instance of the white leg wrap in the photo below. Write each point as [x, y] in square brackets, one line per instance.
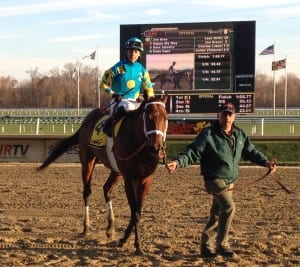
[109, 210]
[87, 215]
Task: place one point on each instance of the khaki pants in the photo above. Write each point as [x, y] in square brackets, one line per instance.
[221, 215]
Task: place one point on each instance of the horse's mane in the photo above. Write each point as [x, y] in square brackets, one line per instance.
[135, 113]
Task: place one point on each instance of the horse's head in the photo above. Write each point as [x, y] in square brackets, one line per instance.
[155, 125]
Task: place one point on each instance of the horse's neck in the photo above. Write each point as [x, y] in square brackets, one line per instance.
[132, 128]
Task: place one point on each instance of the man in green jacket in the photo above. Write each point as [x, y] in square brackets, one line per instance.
[219, 149]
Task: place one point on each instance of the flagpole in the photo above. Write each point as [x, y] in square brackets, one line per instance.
[269, 51]
[274, 88]
[285, 88]
[97, 87]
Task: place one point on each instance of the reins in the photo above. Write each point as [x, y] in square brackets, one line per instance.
[130, 156]
[241, 187]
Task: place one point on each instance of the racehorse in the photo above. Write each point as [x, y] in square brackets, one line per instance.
[163, 78]
[138, 146]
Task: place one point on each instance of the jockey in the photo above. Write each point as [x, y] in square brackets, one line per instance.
[172, 71]
[126, 81]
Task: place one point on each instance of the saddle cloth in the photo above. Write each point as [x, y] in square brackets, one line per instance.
[98, 138]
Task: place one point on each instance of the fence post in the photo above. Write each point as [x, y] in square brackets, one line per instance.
[37, 126]
[253, 127]
[262, 126]
[292, 128]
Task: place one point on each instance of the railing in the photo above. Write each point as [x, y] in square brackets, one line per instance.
[253, 125]
[39, 125]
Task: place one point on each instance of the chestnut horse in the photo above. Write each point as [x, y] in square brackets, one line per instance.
[138, 146]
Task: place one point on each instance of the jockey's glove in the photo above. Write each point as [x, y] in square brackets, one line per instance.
[117, 97]
[107, 90]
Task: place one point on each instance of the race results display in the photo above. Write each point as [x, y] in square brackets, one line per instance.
[209, 103]
[203, 64]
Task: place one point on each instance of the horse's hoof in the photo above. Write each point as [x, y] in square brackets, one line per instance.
[139, 252]
[120, 242]
[110, 232]
[86, 232]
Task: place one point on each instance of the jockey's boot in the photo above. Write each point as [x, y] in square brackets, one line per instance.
[107, 126]
[119, 114]
[110, 121]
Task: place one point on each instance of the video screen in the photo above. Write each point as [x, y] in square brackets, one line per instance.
[199, 60]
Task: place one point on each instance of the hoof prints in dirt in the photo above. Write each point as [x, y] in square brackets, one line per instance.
[41, 220]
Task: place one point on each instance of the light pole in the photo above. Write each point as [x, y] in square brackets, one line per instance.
[78, 91]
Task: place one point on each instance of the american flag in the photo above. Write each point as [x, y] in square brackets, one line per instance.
[279, 64]
[91, 56]
[268, 51]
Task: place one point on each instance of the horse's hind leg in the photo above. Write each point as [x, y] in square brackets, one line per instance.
[87, 171]
[177, 84]
[113, 179]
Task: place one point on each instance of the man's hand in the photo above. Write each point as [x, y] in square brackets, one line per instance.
[172, 166]
[271, 165]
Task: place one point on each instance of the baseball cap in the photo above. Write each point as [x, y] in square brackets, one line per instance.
[227, 107]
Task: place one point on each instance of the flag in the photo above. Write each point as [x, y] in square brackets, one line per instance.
[268, 51]
[279, 64]
[91, 56]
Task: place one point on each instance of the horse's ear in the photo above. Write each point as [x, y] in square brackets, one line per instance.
[164, 97]
[147, 98]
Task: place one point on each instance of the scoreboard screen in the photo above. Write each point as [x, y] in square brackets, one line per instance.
[205, 63]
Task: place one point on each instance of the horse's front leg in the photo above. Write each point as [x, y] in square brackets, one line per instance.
[143, 188]
[137, 242]
[127, 232]
[134, 222]
[130, 193]
[136, 192]
[113, 179]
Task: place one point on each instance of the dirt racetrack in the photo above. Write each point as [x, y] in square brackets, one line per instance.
[41, 220]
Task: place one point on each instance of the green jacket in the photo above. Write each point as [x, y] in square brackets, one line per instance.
[218, 154]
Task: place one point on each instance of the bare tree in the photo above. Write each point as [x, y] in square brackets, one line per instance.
[59, 89]
[8, 91]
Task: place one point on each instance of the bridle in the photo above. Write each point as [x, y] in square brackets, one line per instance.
[155, 131]
[147, 133]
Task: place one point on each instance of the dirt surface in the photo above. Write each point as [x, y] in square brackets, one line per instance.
[41, 220]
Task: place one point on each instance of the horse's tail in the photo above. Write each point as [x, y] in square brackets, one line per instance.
[61, 147]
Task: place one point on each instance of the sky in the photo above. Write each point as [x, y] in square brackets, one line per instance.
[45, 34]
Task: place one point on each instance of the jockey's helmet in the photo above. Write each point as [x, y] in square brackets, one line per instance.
[134, 43]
